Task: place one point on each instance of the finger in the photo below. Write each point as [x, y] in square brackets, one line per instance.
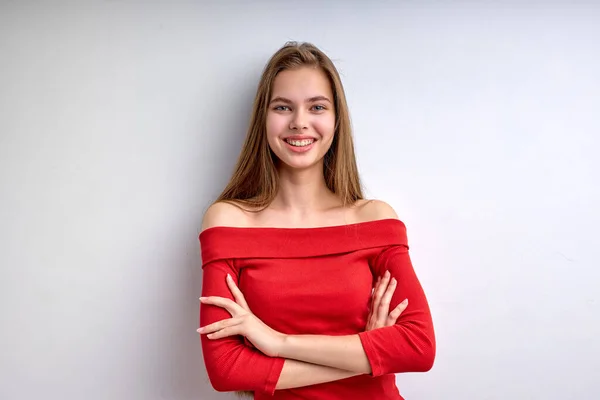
[225, 332]
[372, 298]
[396, 312]
[231, 306]
[384, 305]
[378, 294]
[237, 293]
[219, 325]
[373, 289]
[382, 285]
[370, 317]
[377, 284]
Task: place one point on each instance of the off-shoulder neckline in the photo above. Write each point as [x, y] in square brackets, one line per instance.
[300, 229]
[229, 242]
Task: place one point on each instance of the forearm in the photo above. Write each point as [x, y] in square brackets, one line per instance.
[298, 374]
[341, 352]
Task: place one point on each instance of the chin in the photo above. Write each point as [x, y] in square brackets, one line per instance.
[300, 164]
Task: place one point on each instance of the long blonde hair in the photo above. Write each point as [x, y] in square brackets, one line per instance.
[254, 182]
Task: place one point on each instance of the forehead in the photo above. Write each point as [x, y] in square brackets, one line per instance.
[301, 82]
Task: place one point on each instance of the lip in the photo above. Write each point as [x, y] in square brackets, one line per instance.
[299, 137]
[296, 149]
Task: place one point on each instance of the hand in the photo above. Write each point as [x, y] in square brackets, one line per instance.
[379, 315]
[243, 322]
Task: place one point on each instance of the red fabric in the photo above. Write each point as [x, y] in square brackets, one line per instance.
[315, 281]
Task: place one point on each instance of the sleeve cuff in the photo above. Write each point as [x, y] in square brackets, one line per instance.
[372, 356]
[273, 377]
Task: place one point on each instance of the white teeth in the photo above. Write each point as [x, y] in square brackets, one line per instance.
[300, 143]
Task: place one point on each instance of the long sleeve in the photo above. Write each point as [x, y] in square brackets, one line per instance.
[231, 365]
[409, 345]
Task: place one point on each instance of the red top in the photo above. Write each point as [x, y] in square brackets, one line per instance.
[314, 281]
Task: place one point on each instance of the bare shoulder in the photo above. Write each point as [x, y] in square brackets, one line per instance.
[224, 214]
[372, 210]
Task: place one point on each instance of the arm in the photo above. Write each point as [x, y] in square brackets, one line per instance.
[406, 346]
[298, 374]
[343, 352]
[295, 373]
[231, 364]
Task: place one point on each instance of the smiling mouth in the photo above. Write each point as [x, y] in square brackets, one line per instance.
[300, 143]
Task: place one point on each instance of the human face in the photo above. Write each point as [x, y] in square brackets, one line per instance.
[301, 117]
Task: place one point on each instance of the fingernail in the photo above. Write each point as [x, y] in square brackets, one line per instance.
[387, 273]
[228, 276]
[404, 301]
[202, 298]
[393, 281]
[199, 330]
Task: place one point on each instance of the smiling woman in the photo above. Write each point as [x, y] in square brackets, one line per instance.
[315, 105]
[301, 117]
[308, 290]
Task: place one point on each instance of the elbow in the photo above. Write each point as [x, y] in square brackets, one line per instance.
[228, 372]
[425, 361]
[229, 379]
[223, 380]
[220, 383]
[421, 360]
[220, 368]
[409, 357]
[422, 353]
[425, 357]
[218, 387]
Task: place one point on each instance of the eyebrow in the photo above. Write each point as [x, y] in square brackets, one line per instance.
[309, 100]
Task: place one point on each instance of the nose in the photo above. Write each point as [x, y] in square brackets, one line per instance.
[298, 121]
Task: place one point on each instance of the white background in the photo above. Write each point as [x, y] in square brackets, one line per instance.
[120, 121]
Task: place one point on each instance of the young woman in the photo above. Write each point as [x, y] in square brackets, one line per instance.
[308, 290]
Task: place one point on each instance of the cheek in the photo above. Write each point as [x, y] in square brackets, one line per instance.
[325, 126]
[275, 125]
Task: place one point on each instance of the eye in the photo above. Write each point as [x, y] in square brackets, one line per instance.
[281, 108]
[318, 107]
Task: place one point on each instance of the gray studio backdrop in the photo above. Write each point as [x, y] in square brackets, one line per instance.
[121, 120]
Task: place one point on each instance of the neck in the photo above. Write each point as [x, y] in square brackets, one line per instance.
[304, 191]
